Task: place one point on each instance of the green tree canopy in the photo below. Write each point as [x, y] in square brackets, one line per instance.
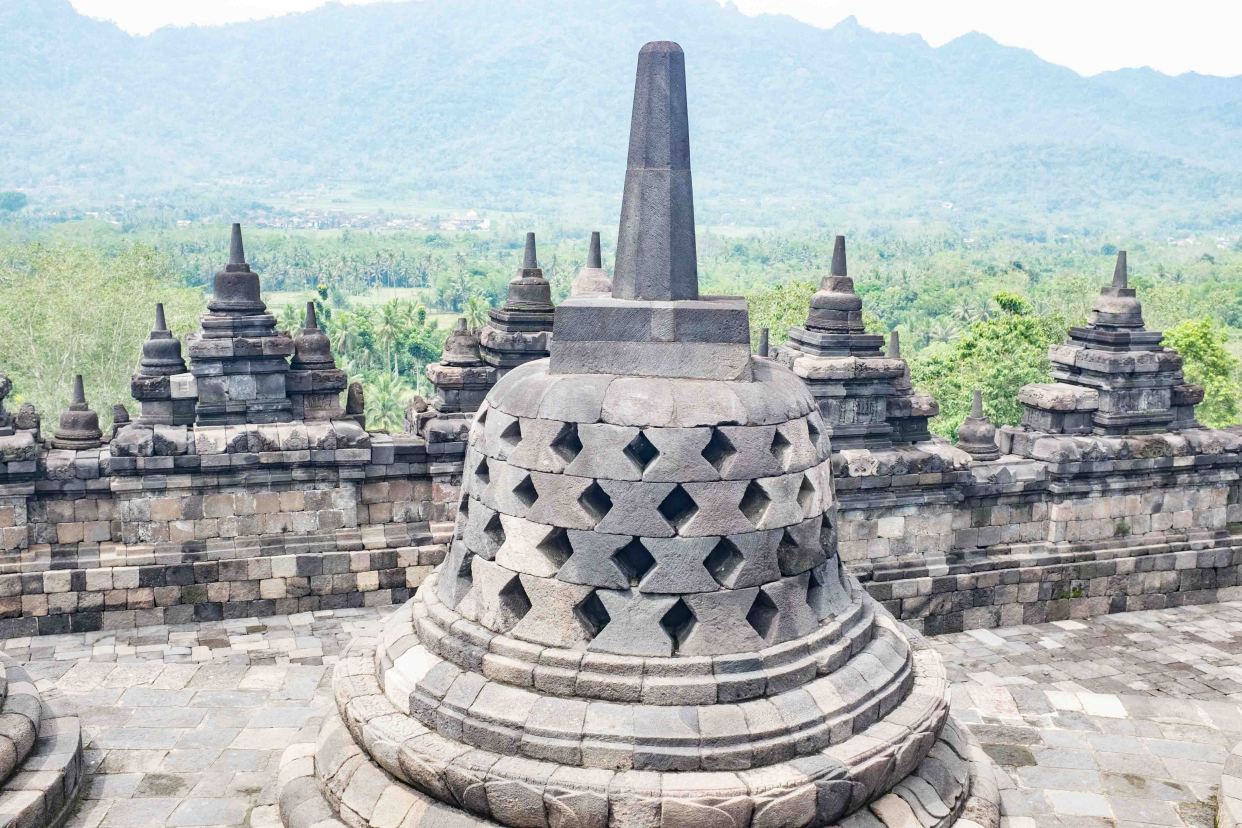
[1201, 343]
[997, 355]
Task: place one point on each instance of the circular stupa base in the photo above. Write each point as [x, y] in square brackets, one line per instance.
[375, 764]
[41, 764]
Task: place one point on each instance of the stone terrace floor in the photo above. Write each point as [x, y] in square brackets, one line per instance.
[1123, 720]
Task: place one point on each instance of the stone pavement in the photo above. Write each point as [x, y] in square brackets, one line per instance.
[1122, 720]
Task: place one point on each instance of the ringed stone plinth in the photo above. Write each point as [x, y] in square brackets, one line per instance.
[41, 763]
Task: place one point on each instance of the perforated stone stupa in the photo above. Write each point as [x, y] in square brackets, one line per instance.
[239, 360]
[1113, 377]
[642, 619]
[518, 331]
[863, 392]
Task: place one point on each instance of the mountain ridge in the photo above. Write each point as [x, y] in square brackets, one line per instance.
[523, 104]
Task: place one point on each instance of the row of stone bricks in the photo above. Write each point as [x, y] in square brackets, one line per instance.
[88, 610]
[210, 572]
[222, 592]
[100, 619]
[615, 452]
[1056, 592]
[40, 557]
[95, 464]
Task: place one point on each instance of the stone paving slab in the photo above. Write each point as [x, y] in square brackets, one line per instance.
[1123, 720]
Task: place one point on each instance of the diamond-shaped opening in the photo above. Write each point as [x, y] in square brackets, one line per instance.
[482, 473]
[812, 431]
[634, 560]
[592, 615]
[512, 435]
[526, 492]
[815, 591]
[595, 501]
[567, 445]
[463, 511]
[556, 547]
[789, 548]
[827, 534]
[678, 623]
[495, 530]
[677, 507]
[456, 580]
[762, 615]
[724, 562]
[781, 448]
[482, 417]
[754, 502]
[641, 452]
[806, 494]
[718, 450]
[513, 599]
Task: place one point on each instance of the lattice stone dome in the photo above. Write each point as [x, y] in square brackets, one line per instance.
[647, 517]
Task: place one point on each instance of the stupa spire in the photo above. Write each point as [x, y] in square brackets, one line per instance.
[79, 394]
[530, 260]
[312, 320]
[161, 324]
[656, 256]
[237, 251]
[838, 258]
[1120, 273]
[894, 345]
[977, 435]
[594, 260]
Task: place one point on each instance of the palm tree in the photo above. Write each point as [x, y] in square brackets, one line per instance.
[388, 332]
[291, 318]
[386, 396]
[475, 310]
[942, 330]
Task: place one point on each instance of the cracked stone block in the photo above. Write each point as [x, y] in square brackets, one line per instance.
[553, 618]
[564, 501]
[678, 565]
[501, 599]
[634, 624]
[744, 560]
[532, 548]
[635, 509]
[592, 560]
[753, 456]
[485, 530]
[604, 453]
[721, 625]
[794, 616]
[676, 455]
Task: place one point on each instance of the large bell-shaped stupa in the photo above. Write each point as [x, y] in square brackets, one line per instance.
[642, 620]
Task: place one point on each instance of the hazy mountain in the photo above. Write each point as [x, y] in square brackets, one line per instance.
[525, 104]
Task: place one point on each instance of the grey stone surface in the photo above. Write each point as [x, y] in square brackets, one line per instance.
[656, 255]
[592, 278]
[1115, 369]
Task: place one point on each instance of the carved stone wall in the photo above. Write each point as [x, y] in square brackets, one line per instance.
[322, 516]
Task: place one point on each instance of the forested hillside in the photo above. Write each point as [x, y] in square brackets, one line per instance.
[523, 104]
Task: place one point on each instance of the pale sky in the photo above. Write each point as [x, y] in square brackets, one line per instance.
[1089, 36]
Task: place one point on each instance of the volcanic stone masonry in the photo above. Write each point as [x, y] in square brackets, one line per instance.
[642, 619]
[246, 503]
[520, 329]
[240, 487]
